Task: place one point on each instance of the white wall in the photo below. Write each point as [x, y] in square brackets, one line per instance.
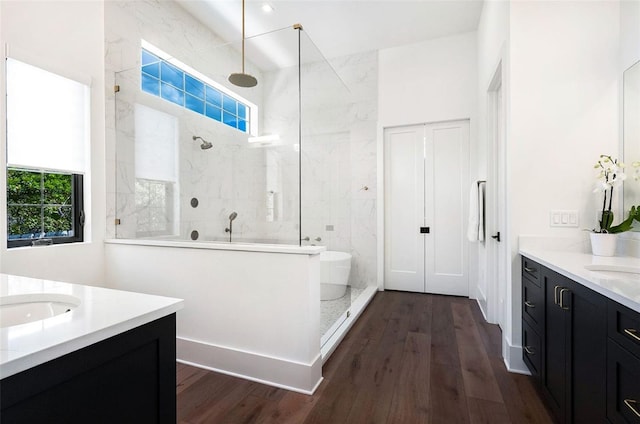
[431, 81]
[62, 36]
[564, 75]
[493, 54]
[428, 82]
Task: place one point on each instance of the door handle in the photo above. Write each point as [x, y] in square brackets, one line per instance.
[562, 292]
[631, 404]
[632, 332]
[496, 237]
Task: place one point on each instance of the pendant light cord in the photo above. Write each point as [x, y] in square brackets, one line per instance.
[243, 36]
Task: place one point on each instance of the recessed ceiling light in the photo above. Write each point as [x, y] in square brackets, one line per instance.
[267, 8]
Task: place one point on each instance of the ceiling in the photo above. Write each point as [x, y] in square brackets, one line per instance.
[341, 27]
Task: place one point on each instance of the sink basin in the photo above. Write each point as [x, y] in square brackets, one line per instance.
[618, 272]
[23, 308]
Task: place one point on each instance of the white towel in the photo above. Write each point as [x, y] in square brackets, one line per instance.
[481, 190]
[474, 214]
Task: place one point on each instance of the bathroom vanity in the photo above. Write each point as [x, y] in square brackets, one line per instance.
[108, 357]
[581, 334]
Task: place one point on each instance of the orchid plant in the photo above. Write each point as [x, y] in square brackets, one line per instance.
[636, 173]
[612, 175]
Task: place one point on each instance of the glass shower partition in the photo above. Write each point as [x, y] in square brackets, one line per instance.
[326, 179]
[199, 159]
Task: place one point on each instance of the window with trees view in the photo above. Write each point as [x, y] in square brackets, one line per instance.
[48, 131]
[42, 205]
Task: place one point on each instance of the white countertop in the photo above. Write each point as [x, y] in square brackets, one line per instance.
[572, 265]
[103, 313]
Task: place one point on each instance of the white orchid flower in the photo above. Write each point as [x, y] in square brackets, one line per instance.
[618, 179]
[601, 186]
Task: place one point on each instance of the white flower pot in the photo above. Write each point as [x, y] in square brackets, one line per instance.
[603, 244]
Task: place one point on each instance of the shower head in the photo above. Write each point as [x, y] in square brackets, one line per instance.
[233, 216]
[241, 79]
[205, 144]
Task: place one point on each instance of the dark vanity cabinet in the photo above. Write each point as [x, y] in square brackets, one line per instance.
[127, 378]
[564, 343]
[574, 357]
[532, 316]
[623, 364]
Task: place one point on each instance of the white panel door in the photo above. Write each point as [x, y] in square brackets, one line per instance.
[404, 208]
[426, 178]
[447, 198]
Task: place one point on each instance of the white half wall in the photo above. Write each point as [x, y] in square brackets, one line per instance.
[61, 36]
[249, 314]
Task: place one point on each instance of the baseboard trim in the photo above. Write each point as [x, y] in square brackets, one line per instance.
[272, 371]
[512, 356]
[482, 309]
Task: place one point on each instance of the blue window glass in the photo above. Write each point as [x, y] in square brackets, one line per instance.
[150, 85]
[213, 112]
[229, 104]
[194, 104]
[148, 58]
[163, 79]
[172, 75]
[152, 69]
[214, 97]
[172, 94]
[230, 119]
[242, 111]
[194, 86]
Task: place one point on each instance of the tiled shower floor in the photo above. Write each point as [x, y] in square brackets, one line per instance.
[331, 310]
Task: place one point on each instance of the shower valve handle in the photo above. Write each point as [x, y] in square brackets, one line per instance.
[305, 239]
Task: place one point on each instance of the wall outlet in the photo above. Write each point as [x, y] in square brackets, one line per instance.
[559, 218]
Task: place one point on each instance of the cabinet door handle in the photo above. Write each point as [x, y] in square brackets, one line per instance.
[562, 292]
[632, 332]
[529, 350]
[529, 270]
[529, 304]
[555, 294]
[631, 404]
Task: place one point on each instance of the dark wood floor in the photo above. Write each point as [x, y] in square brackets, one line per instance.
[410, 358]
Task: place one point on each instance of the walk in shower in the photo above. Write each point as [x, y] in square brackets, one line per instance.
[199, 160]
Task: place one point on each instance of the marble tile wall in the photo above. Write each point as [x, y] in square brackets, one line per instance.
[259, 182]
[230, 176]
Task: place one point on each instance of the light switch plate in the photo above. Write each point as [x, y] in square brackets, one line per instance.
[563, 218]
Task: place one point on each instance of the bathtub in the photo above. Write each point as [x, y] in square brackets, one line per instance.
[334, 274]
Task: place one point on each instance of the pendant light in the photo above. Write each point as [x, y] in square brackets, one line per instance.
[242, 79]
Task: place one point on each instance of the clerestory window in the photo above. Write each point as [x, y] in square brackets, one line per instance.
[169, 80]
